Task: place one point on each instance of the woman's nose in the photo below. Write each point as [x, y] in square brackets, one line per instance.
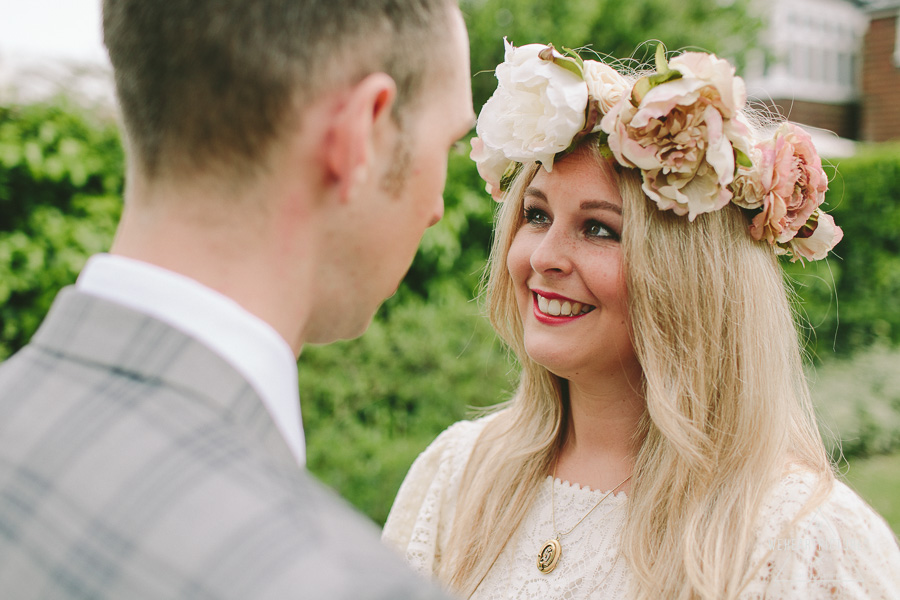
[554, 252]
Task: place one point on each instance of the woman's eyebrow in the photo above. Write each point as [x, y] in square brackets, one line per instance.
[601, 204]
[585, 205]
[537, 193]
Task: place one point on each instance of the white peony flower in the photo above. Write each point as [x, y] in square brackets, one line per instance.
[537, 109]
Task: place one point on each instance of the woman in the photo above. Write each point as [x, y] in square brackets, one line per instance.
[662, 442]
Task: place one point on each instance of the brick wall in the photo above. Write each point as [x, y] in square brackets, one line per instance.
[842, 119]
[880, 82]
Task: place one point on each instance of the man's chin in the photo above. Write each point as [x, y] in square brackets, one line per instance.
[328, 329]
[339, 331]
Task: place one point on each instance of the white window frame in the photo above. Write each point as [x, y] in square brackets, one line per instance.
[897, 40]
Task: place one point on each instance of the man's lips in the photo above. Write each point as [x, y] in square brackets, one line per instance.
[549, 304]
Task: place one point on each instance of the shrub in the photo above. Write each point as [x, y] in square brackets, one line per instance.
[858, 401]
[851, 299]
[60, 200]
[370, 405]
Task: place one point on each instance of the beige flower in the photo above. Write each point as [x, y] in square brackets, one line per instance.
[682, 134]
[606, 86]
[751, 184]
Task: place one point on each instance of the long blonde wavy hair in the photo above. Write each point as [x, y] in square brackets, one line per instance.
[727, 403]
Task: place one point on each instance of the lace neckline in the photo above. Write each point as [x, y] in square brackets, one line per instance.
[576, 489]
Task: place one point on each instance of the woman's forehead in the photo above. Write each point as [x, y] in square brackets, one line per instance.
[579, 177]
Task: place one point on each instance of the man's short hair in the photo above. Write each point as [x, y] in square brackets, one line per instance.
[207, 86]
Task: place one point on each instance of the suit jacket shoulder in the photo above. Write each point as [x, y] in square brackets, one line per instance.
[135, 463]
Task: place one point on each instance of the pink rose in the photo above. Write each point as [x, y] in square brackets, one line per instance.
[682, 134]
[790, 173]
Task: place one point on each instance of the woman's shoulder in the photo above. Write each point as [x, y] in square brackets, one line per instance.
[459, 438]
[426, 501]
[817, 537]
[839, 509]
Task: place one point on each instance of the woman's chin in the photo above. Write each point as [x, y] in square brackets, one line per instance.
[556, 360]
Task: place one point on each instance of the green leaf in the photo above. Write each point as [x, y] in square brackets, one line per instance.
[511, 171]
[575, 56]
[662, 65]
[661, 78]
[742, 159]
[640, 89]
[566, 62]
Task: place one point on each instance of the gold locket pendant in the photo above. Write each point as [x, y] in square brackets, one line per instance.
[549, 556]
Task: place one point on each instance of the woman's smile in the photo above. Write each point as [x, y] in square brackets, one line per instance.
[552, 309]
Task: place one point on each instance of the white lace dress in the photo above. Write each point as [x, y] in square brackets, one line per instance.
[843, 549]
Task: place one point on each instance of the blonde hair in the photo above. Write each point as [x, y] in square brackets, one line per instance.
[727, 404]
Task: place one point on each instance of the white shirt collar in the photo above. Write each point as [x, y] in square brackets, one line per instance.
[245, 341]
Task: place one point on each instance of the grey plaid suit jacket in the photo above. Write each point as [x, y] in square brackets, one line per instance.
[135, 463]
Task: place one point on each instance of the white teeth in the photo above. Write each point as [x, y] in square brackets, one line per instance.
[554, 308]
[563, 308]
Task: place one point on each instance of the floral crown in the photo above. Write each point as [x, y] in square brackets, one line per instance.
[681, 126]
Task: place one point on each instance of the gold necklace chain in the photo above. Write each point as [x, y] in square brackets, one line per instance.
[551, 551]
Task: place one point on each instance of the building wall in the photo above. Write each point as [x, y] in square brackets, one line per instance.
[881, 80]
[812, 52]
[842, 119]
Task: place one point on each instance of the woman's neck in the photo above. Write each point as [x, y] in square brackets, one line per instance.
[601, 441]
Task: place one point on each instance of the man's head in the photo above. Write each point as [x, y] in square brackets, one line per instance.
[288, 153]
[207, 86]
[376, 230]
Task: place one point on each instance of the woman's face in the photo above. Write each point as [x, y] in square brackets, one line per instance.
[566, 264]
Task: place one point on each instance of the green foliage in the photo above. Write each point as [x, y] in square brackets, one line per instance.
[370, 405]
[851, 299]
[858, 402]
[609, 27]
[60, 199]
[877, 480]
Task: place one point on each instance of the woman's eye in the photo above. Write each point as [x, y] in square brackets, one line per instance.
[536, 216]
[599, 230]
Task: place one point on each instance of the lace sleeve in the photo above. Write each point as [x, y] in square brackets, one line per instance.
[423, 510]
[842, 549]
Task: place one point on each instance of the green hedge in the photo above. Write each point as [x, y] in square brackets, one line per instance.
[858, 401]
[370, 405]
[60, 199]
[852, 300]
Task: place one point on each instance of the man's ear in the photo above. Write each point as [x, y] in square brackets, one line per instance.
[357, 130]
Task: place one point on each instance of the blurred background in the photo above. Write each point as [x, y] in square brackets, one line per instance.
[371, 405]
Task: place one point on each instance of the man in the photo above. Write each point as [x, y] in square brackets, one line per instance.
[285, 157]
